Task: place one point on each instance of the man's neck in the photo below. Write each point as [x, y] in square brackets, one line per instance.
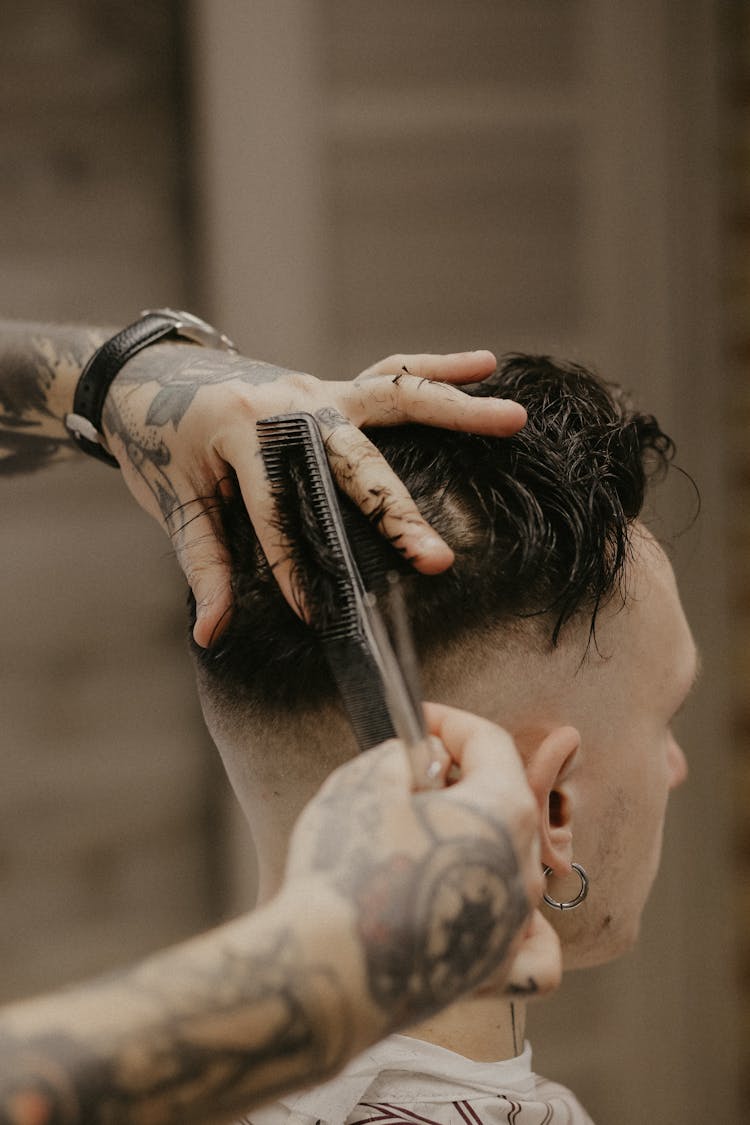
[484, 1027]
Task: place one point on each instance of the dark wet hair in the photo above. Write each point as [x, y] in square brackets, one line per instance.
[540, 524]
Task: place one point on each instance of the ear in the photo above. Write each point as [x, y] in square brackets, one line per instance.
[548, 769]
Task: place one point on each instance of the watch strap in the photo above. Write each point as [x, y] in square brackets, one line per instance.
[85, 420]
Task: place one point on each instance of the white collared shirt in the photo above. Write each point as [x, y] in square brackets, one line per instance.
[407, 1080]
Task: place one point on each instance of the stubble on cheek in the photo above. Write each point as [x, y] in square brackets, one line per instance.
[604, 926]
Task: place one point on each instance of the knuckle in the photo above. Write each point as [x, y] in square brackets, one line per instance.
[254, 399]
[396, 364]
[521, 818]
[244, 407]
[200, 569]
[534, 879]
[528, 814]
[197, 580]
[210, 593]
[392, 758]
[302, 383]
[347, 773]
[393, 362]
[381, 501]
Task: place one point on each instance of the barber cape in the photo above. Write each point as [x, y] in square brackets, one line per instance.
[407, 1080]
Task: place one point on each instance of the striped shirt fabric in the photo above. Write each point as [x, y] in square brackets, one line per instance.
[408, 1081]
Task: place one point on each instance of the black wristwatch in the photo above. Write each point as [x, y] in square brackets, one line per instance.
[85, 420]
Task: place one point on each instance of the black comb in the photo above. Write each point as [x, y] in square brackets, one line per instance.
[295, 459]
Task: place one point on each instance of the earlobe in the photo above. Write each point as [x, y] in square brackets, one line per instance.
[549, 768]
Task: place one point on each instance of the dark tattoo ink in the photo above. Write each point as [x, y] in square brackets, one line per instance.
[178, 379]
[466, 905]
[377, 510]
[196, 1053]
[31, 435]
[149, 457]
[197, 368]
[530, 988]
[331, 418]
[24, 390]
[24, 452]
[170, 404]
[433, 924]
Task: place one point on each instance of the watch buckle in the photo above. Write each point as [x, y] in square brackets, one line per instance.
[80, 427]
[193, 328]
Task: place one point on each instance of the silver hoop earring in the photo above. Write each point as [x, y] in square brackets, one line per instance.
[572, 903]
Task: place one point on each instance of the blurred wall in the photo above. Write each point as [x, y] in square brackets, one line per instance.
[736, 277]
[107, 826]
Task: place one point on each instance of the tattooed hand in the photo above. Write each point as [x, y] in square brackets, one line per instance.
[440, 883]
[394, 904]
[179, 417]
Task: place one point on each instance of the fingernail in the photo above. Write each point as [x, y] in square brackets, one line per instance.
[207, 631]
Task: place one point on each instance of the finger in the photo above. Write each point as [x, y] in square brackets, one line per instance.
[365, 476]
[431, 764]
[457, 367]
[213, 605]
[192, 528]
[492, 778]
[483, 751]
[255, 488]
[536, 969]
[388, 762]
[361, 472]
[386, 401]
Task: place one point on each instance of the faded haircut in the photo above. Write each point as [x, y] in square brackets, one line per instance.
[540, 524]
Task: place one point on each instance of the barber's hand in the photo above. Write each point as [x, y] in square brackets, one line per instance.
[439, 884]
[180, 418]
[536, 966]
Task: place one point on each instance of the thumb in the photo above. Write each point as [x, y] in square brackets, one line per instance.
[206, 566]
[485, 754]
[213, 605]
[536, 969]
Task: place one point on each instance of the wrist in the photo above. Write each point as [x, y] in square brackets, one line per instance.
[74, 353]
[85, 419]
[333, 949]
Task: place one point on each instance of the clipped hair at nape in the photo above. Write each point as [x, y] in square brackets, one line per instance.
[540, 523]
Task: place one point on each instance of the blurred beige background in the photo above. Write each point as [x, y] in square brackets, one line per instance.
[331, 181]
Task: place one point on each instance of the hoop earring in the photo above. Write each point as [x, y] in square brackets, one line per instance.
[572, 903]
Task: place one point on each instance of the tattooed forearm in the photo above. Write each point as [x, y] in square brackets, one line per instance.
[196, 1036]
[39, 368]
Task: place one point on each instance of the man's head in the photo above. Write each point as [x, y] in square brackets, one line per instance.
[559, 620]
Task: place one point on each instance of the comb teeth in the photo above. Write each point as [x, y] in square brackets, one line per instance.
[359, 681]
[375, 559]
[282, 439]
[295, 439]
